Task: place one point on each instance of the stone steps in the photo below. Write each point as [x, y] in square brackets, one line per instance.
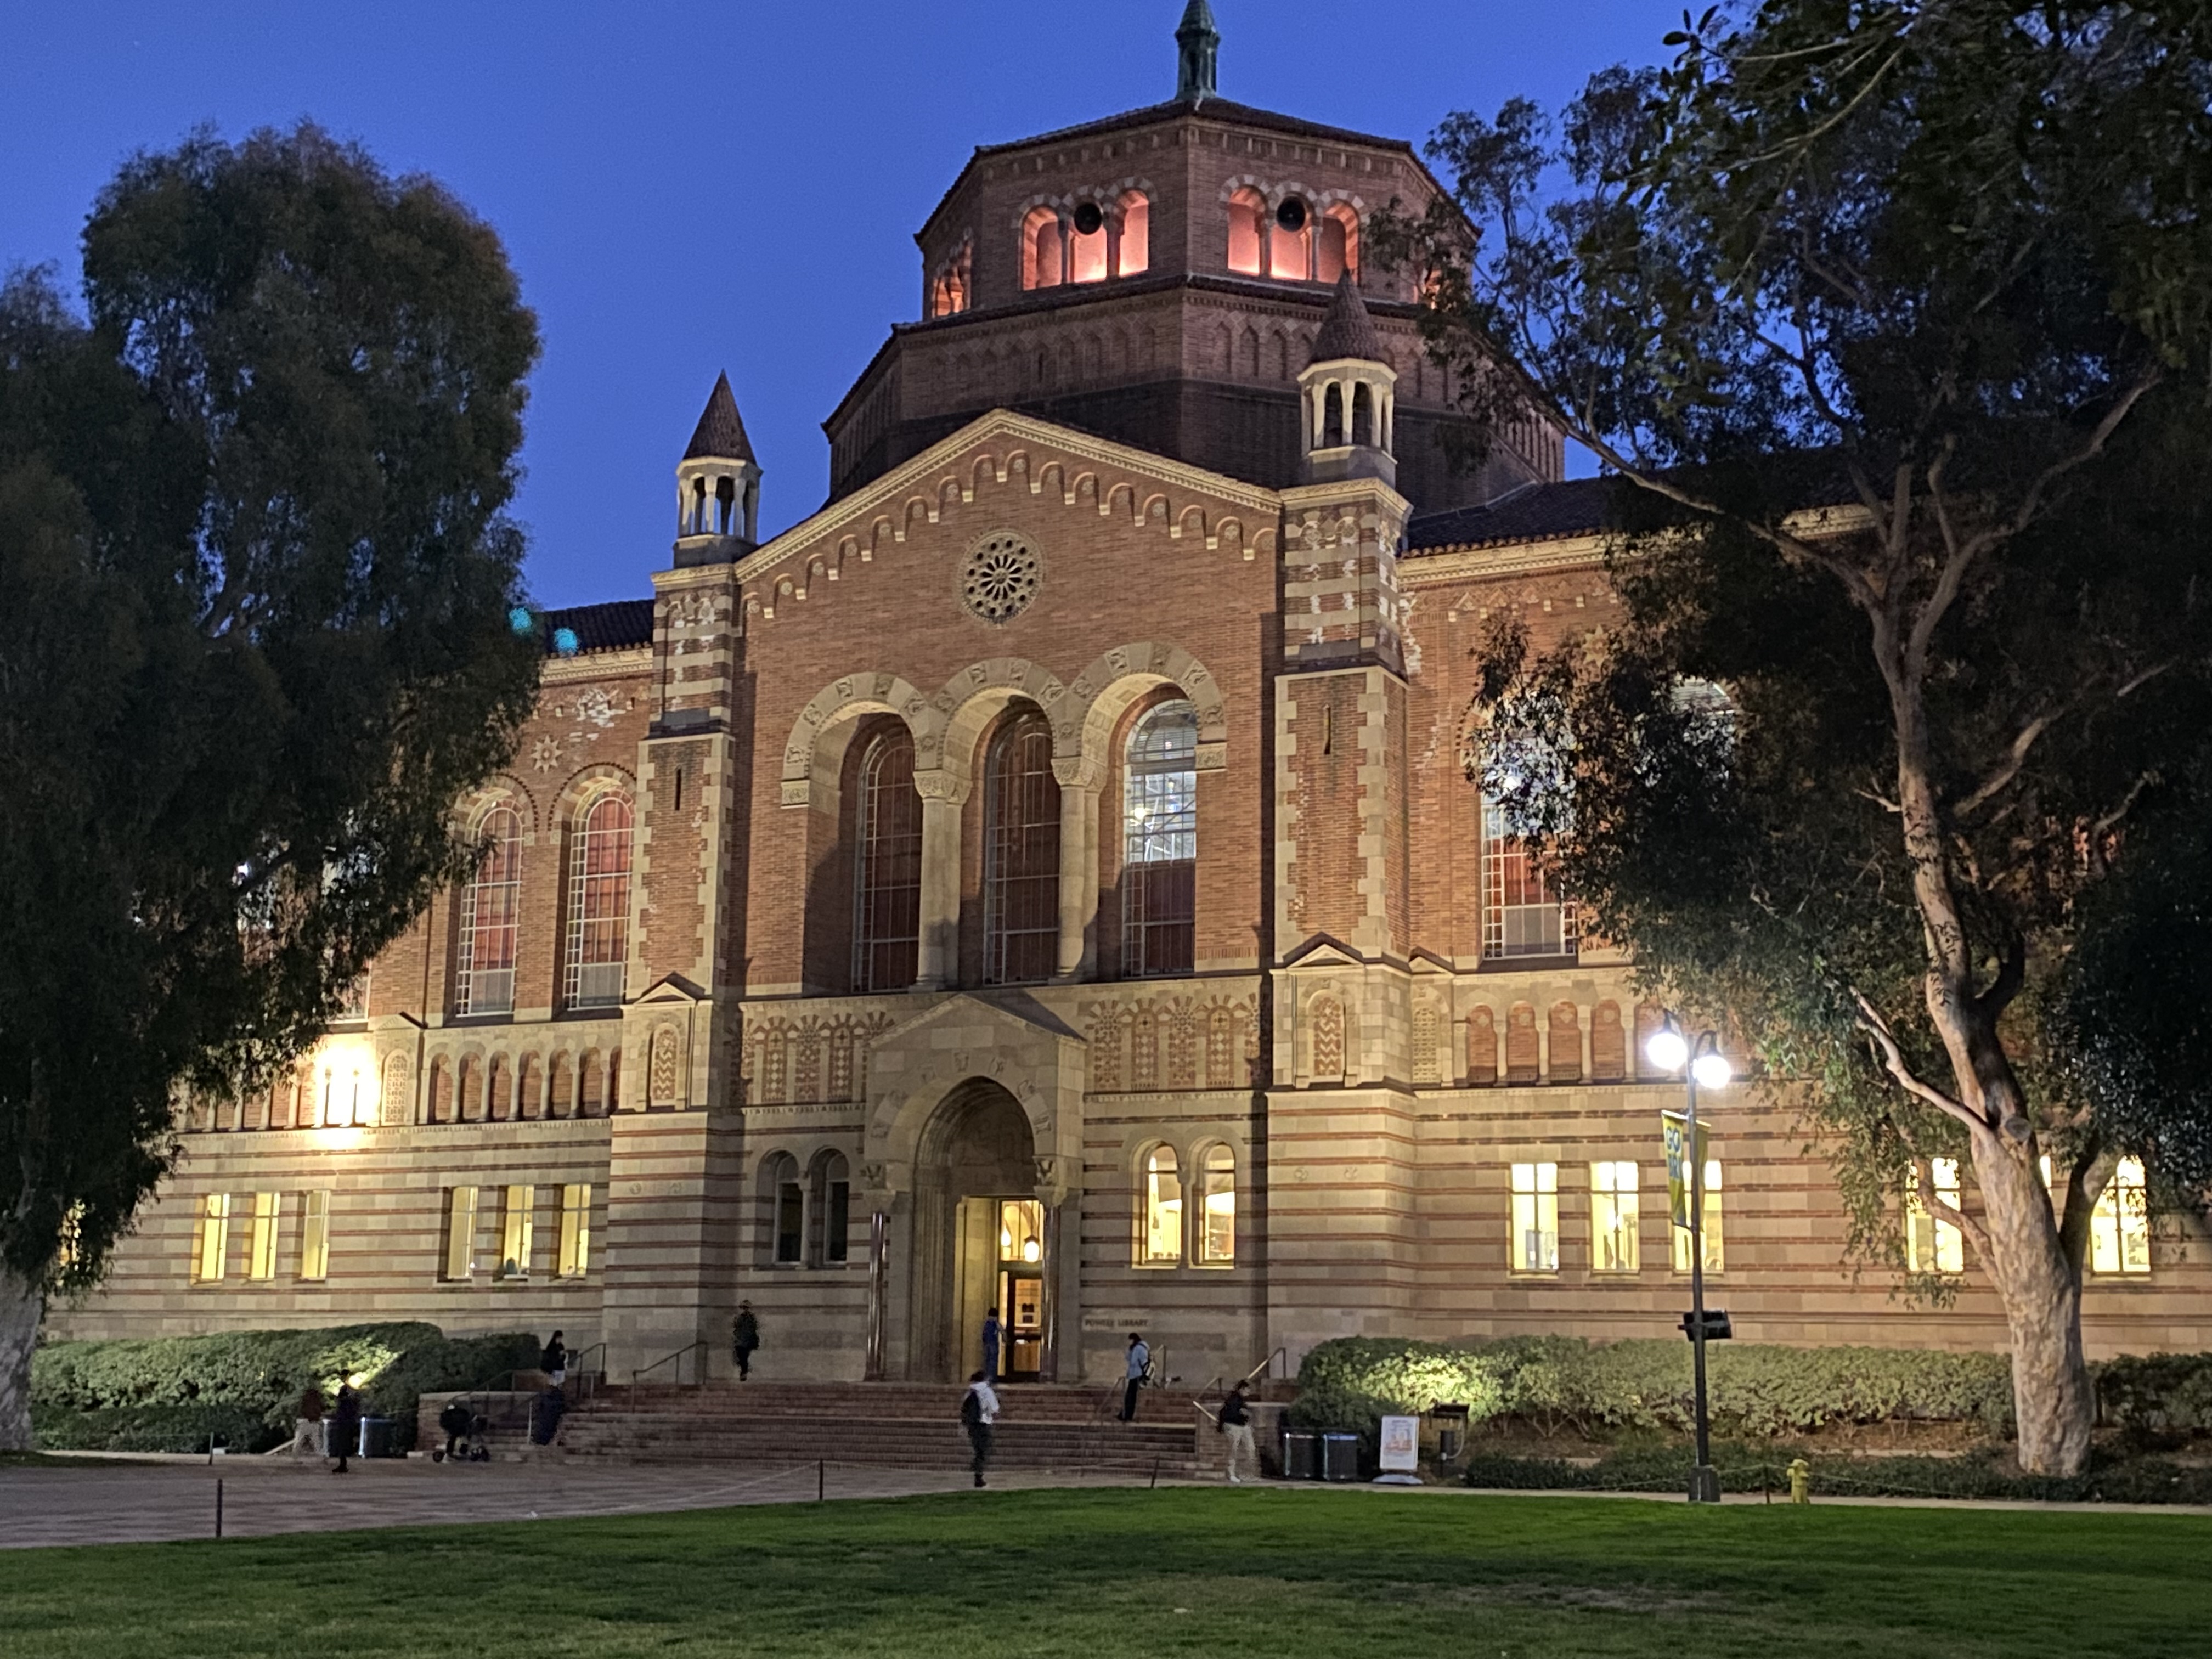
[936, 1442]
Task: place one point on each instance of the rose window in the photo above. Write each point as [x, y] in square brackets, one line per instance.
[1000, 578]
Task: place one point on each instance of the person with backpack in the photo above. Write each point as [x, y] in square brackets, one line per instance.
[554, 1362]
[345, 1425]
[1236, 1422]
[1139, 1361]
[745, 1339]
[979, 1411]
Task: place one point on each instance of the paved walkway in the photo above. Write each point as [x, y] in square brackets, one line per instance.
[116, 1500]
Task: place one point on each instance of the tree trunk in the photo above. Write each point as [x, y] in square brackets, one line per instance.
[22, 1306]
[2041, 1294]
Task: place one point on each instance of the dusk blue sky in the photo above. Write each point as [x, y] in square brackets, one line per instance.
[686, 188]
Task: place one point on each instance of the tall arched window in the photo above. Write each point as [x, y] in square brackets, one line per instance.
[1136, 251]
[1087, 243]
[490, 910]
[1159, 841]
[1289, 242]
[1043, 258]
[1338, 250]
[1161, 1243]
[1021, 854]
[1248, 225]
[887, 904]
[1217, 1208]
[598, 904]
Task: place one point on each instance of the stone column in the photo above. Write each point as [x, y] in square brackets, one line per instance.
[1079, 871]
[937, 958]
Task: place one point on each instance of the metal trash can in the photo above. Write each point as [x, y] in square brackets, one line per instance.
[377, 1437]
[1301, 1454]
[1339, 1458]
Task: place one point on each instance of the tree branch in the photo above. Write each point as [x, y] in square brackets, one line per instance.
[1893, 1061]
[2009, 768]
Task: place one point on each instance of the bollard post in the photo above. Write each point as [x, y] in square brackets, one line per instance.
[1154, 1484]
[218, 1506]
[821, 1479]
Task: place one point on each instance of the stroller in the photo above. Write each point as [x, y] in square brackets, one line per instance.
[468, 1435]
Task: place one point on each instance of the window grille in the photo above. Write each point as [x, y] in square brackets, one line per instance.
[314, 1235]
[599, 905]
[518, 1232]
[1216, 1237]
[211, 1239]
[1159, 843]
[461, 1233]
[575, 1250]
[490, 913]
[1021, 855]
[887, 904]
[261, 1244]
[1536, 1218]
[1615, 1217]
[1523, 912]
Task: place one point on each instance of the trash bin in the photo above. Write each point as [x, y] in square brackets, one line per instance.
[377, 1436]
[1339, 1458]
[1301, 1454]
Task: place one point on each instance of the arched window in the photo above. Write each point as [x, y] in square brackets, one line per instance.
[1161, 1243]
[1159, 841]
[1042, 256]
[1289, 242]
[1136, 252]
[1338, 250]
[564, 1085]
[887, 903]
[948, 293]
[598, 904]
[1217, 1208]
[1086, 244]
[490, 909]
[828, 1214]
[1247, 221]
[1021, 854]
[783, 1205]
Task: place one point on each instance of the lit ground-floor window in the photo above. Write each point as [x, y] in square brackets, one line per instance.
[261, 1244]
[211, 1239]
[575, 1249]
[1933, 1245]
[1536, 1218]
[460, 1232]
[314, 1235]
[1615, 1217]
[516, 1231]
[2119, 1227]
[1709, 1225]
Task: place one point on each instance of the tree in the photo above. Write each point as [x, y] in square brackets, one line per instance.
[1890, 321]
[258, 579]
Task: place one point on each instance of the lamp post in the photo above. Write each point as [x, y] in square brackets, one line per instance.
[1699, 1062]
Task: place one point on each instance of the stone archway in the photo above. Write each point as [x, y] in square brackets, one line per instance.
[976, 1145]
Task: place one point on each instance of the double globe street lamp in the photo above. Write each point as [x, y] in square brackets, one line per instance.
[1700, 1062]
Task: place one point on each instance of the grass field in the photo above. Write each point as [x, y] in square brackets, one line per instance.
[1102, 1574]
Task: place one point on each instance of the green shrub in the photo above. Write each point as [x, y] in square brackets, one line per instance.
[2160, 1391]
[83, 1395]
[1557, 1382]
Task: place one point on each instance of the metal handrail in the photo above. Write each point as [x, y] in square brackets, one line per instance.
[699, 1379]
[1199, 1399]
[583, 1377]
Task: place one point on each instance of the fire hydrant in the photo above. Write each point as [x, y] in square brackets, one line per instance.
[1801, 1481]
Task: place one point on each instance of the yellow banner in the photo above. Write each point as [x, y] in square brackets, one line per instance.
[1675, 1135]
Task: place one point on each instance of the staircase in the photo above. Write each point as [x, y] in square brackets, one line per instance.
[1063, 1428]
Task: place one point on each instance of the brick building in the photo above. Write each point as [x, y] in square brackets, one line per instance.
[1046, 876]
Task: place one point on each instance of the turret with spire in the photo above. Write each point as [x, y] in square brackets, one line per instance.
[1197, 44]
[1349, 396]
[717, 486]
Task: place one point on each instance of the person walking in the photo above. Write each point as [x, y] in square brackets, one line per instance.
[979, 1412]
[1140, 1357]
[992, 1334]
[745, 1339]
[554, 1362]
[1236, 1424]
[345, 1425]
[307, 1423]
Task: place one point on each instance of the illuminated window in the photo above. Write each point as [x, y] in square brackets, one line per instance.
[1709, 1229]
[887, 905]
[490, 910]
[1021, 854]
[1248, 218]
[461, 1232]
[1043, 249]
[949, 291]
[575, 1256]
[519, 1220]
[1933, 1245]
[1523, 914]
[314, 1235]
[1086, 244]
[598, 904]
[1217, 1203]
[1021, 1231]
[1338, 250]
[1289, 242]
[1614, 1218]
[1159, 843]
[1136, 254]
[353, 1001]
[70, 1251]
[1162, 1237]
[211, 1239]
[1536, 1218]
[2119, 1227]
[261, 1243]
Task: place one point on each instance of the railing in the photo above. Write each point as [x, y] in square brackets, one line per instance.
[1220, 1384]
[584, 1377]
[697, 1350]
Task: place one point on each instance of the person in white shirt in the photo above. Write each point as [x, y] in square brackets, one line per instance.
[1140, 1356]
[979, 1411]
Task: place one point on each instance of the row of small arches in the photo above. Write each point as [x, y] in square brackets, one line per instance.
[1522, 1051]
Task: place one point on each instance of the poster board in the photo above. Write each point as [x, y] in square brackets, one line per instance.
[1401, 1445]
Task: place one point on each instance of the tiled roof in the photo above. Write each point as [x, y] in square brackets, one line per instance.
[720, 436]
[614, 626]
[1347, 330]
[1538, 513]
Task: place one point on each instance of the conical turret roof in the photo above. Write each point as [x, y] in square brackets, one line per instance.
[721, 434]
[1347, 330]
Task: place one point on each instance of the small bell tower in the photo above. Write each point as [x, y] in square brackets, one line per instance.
[1349, 396]
[717, 487]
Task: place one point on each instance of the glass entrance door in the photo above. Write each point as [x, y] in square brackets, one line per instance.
[1021, 1288]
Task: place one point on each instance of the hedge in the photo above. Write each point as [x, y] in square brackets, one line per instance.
[2158, 1392]
[1746, 1468]
[1558, 1382]
[174, 1393]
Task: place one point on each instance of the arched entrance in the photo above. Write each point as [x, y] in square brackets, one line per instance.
[980, 1237]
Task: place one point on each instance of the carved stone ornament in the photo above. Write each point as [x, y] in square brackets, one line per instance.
[1000, 577]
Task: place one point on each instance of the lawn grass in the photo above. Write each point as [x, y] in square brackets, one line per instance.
[1333, 1575]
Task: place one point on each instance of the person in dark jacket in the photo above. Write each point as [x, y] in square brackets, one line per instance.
[454, 1422]
[554, 1362]
[345, 1425]
[992, 1336]
[1236, 1424]
[745, 1339]
[979, 1415]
